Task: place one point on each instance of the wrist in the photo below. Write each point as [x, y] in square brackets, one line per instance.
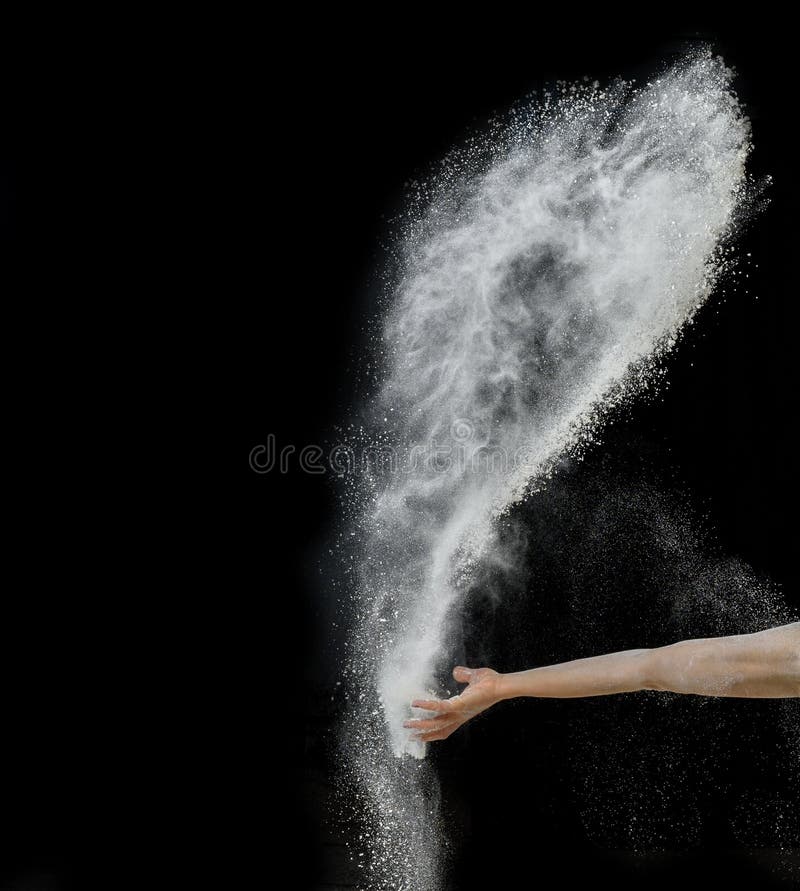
[506, 687]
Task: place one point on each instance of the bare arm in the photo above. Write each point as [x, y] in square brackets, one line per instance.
[765, 664]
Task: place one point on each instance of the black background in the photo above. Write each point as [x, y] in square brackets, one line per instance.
[270, 161]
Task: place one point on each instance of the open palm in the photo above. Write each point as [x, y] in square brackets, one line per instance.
[481, 693]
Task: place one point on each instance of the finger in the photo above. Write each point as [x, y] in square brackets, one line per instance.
[425, 723]
[462, 675]
[432, 705]
[445, 728]
[435, 735]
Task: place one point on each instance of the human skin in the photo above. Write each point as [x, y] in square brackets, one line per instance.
[763, 665]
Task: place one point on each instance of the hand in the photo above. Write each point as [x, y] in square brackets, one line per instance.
[482, 692]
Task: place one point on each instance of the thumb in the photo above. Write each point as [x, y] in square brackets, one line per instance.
[462, 675]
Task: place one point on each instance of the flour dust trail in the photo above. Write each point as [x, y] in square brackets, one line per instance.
[549, 266]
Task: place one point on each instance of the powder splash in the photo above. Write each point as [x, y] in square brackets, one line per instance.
[542, 274]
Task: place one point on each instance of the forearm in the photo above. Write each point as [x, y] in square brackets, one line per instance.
[766, 664]
[622, 672]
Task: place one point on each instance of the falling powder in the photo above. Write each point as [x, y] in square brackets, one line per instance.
[542, 273]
